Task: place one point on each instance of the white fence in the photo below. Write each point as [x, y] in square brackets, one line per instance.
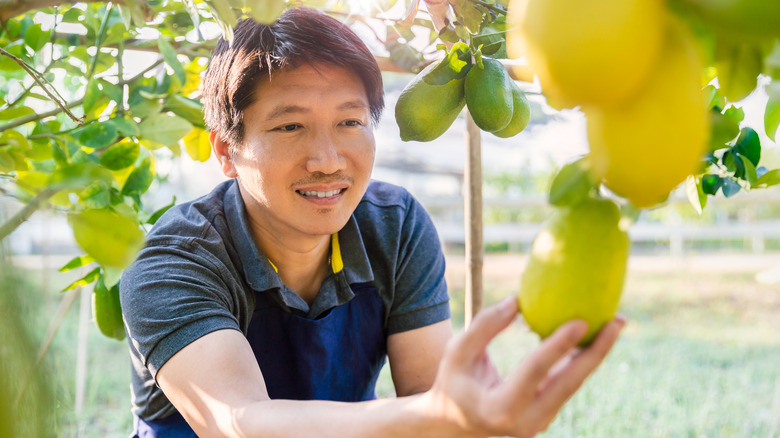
[748, 225]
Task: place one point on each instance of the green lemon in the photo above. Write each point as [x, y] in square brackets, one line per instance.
[424, 111]
[489, 95]
[576, 269]
[107, 311]
[521, 114]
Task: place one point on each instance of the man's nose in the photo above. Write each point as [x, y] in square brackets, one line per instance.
[325, 155]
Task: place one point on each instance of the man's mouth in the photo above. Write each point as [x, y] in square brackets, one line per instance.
[326, 194]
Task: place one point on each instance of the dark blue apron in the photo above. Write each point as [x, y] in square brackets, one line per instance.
[337, 357]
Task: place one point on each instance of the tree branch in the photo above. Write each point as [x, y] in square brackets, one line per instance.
[36, 76]
[12, 8]
[25, 213]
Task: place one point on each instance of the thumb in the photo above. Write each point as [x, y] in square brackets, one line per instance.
[486, 325]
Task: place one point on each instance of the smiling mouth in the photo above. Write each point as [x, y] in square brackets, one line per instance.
[326, 194]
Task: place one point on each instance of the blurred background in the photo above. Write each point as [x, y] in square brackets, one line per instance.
[699, 357]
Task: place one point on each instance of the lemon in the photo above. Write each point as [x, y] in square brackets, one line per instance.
[737, 20]
[644, 148]
[587, 52]
[489, 98]
[576, 269]
[521, 114]
[423, 111]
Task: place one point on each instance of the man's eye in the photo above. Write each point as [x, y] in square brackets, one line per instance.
[352, 123]
[289, 128]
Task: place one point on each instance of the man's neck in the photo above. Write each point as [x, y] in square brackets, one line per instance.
[302, 261]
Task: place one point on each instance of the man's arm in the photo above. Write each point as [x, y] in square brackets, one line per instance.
[415, 356]
[216, 384]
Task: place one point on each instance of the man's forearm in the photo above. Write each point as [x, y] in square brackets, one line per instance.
[413, 416]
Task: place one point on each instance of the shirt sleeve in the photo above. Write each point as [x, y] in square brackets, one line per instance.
[421, 296]
[172, 295]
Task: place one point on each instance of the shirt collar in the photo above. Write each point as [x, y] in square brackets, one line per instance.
[347, 247]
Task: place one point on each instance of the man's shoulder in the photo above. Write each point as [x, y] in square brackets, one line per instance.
[381, 194]
[192, 218]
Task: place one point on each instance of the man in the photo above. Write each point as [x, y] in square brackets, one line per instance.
[262, 308]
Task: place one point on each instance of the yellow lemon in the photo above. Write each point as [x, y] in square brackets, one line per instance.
[644, 148]
[576, 269]
[587, 52]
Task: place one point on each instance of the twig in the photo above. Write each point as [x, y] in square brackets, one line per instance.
[22, 215]
[35, 75]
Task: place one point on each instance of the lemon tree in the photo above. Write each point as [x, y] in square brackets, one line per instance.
[81, 137]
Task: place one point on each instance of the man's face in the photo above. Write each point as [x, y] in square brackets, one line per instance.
[308, 150]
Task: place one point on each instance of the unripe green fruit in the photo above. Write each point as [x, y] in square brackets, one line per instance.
[489, 95]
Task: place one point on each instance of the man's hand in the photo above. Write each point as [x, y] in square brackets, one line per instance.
[469, 391]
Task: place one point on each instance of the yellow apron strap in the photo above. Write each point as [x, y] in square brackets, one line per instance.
[335, 258]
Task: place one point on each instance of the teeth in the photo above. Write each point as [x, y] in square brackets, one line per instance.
[327, 194]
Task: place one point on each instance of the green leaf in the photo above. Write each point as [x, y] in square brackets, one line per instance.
[455, 65]
[6, 162]
[749, 145]
[224, 16]
[730, 187]
[749, 173]
[78, 176]
[710, 184]
[189, 109]
[145, 108]
[723, 130]
[696, 196]
[467, 14]
[165, 129]
[77, 263]
[492, 41]
[111, 239]
[120, 155]
[264, 11]
[91, 95]
[83, 281]
[98, 135]
[16, 113]
[572, 184]
[126, 127]
[111, 276]
[772, 111]
[728, 161]
[95, 196]
[113, 91]
[169, 55]
[735, 114]
[768, 179]
[405, 56]
[140, 178]
[198, 145]
[15, 140]
[35, 37]
[157, 214]
[738, 69]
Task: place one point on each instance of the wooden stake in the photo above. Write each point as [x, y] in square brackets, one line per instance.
[473, 219]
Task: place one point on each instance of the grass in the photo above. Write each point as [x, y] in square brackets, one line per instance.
[699, 358]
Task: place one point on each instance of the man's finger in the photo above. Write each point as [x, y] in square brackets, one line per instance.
[566, 381]
[488, 323]
[525, 379]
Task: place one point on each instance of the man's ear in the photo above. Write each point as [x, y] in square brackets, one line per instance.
[221, 150]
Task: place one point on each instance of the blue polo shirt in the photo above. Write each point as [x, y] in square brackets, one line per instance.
[201, 271]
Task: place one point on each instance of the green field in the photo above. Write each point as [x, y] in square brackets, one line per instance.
[700, 357]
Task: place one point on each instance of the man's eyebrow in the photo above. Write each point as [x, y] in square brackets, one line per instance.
[353, 104]
[286, 109]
